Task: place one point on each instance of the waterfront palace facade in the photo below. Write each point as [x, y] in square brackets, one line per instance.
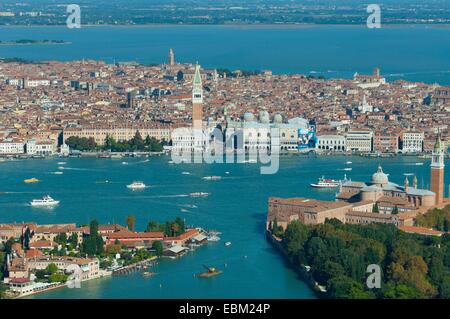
[376, 201]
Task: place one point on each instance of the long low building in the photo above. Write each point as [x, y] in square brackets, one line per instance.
[313, 212]
[99, 134]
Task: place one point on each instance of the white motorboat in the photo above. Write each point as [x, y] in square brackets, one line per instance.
[136, 185]
[45, 201]
[212, 178]
[326, 183]
[199, 194]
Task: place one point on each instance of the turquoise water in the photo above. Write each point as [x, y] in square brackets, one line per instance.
[416, 53]
[237, 207]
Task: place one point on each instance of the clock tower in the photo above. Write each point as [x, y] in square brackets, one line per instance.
[437, 170]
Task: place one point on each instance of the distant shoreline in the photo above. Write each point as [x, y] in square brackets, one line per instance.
[237, 25]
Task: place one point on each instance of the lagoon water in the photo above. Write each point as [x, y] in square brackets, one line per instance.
[237, 207]
[416, 53]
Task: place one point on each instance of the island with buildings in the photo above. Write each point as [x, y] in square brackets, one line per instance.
[402, 228]
[36, 258]
[66, 108]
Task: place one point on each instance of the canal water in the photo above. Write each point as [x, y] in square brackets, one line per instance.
[237, 207]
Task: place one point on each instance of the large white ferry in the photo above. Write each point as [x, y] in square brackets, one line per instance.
[45, 201]
[326, 183]
[136, 185]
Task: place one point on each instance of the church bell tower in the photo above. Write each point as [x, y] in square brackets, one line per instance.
[197, 100]
[437, 171]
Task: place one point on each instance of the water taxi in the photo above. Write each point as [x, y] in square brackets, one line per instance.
[136, 185]
[326, 183]
[44, 202]
[199, 194]
[212, 178]
[211, 272]
[31, 180]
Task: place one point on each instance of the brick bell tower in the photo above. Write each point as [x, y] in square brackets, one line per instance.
[437, 171]
[197, 99]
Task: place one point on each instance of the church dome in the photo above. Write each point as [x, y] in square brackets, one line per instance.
[278, 119]
[379, 177]
[248, 117]
[264, 117]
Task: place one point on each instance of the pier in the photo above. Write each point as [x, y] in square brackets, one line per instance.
[139, 266]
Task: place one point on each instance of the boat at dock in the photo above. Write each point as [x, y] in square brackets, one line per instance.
[326, 183]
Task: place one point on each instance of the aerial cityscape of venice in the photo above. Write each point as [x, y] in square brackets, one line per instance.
[263, 149]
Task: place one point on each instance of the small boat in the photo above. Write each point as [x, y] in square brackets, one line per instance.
[348, 169]
[44, 202]
[183, 210]
[212, 178]
[61, 163]
[199, 194]
[124, 163]
[227, 173]
[148, 274]
[213, 238]
[61, 168]
[419, 164]
[136, 185]
[186, 173]
[57, 173]
[228, 243]
[210, 272]
[326, 183]
[348, 163]
[31, 180]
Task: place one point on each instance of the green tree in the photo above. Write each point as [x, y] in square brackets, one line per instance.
[93, 244]
[158, 247]
[130, 222]
[395, 210]
[51, 269]
[375, 208]
[61, 238]
[152, 226]
[137, 143]
[295, 237]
